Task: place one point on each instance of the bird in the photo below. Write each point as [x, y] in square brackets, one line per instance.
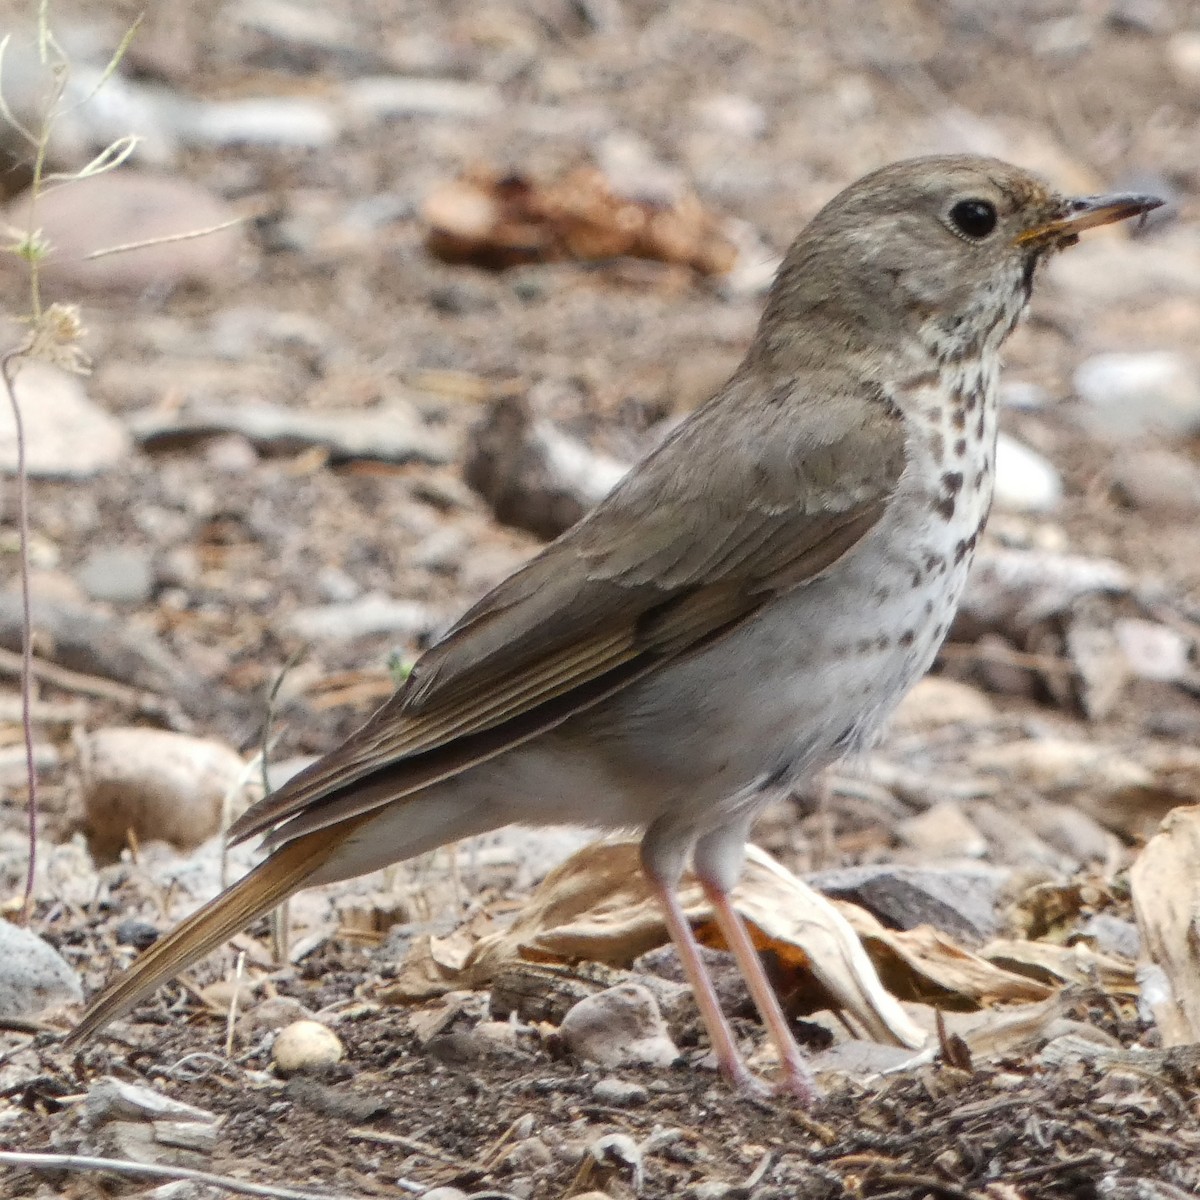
[746, 606]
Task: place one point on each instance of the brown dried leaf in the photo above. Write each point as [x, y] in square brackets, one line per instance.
[923, 964]
[502, 221]
[598, 906]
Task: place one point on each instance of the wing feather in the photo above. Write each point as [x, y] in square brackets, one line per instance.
[675, 557]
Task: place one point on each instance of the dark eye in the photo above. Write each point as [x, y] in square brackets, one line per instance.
[974, 218]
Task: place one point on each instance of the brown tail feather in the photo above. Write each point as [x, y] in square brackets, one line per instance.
[270, 883]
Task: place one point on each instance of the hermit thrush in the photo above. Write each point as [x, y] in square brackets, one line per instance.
[749, 603]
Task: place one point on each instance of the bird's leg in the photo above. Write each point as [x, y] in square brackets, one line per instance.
[718, 861]
[729, 1058]
[797, 1077]
[662, 868]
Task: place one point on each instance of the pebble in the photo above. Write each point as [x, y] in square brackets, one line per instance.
[936, 702]
[1025, 481]
[1130, 394]
[447, 1193]
[268, 1015]
[1158, 481]
[161, 785]
[620, 1026]
[370, 614]
[117, 575]
[259, 121]
[128, 206]
[622, 1093]
[1153, 651]
[34, 977]
[67, 435]
[386, 97]
[305, 1046]
[141, 935]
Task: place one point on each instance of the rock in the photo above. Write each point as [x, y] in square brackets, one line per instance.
[83, 640]
[620, 1026]
[533, 475]
[258, 121]
[305, 1046]
[117, 575]
[34, 977]
[1128, 395]
[391, 432]
[962, 901]
[1153, 651]
[447, 1193]
[386, 97]
[161, 785]
[1158, 482]
[943, 831]
[127, 206]
[1183, 53]
[67, 435]
[935, 702]
[622, 1093]
[1112, 935]
[269, 1015]
[141, 935]
[1025, 481]
[130, 1121]
[370, 614]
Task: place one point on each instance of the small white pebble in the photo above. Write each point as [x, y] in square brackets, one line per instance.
[304, 1046]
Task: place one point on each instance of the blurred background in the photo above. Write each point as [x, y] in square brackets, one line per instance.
[465, 261]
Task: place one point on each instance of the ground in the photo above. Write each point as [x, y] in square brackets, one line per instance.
[761, 111]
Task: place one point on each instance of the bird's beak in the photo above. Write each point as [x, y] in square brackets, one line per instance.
[1086, 212]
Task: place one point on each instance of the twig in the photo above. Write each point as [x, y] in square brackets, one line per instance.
[121, 1166]
[413, 1145]
[231, 1020]
[125, 247]
[6, 372]
[67, 680]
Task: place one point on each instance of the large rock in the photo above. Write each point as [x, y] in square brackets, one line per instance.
[67, 435]
[33, 975]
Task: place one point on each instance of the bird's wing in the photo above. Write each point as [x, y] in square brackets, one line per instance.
[714, 524]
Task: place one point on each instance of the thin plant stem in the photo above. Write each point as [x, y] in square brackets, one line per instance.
[22, 479]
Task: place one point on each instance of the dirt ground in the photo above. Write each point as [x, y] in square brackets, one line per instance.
[762, 111]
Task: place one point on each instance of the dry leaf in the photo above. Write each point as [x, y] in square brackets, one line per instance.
[1055, 963]
[597, 906]
[1166, 900]
[923, 964]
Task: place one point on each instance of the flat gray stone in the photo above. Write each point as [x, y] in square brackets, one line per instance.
[34, 977]
[963, 901]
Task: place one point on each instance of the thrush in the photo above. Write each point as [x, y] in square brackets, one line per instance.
[748, 604]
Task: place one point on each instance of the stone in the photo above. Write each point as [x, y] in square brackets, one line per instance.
[620, 1026]
[936, 702]
[370, 614]
[306, 1046]
[621, 1093]
[117, 575]
[1131, 394]
[67, 435]
[962, 901]
[127, 206]
[1025, 481]
[1158, 482]
[158, 784]
[34, 977]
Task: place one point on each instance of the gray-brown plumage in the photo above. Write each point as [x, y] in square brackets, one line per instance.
[750, 602]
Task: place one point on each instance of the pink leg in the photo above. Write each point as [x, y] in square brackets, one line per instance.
[797, 1078]
[719, 1034]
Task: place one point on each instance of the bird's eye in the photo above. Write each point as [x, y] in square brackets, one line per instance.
[974, 218]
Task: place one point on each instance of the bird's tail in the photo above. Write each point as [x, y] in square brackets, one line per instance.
[269, 884]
